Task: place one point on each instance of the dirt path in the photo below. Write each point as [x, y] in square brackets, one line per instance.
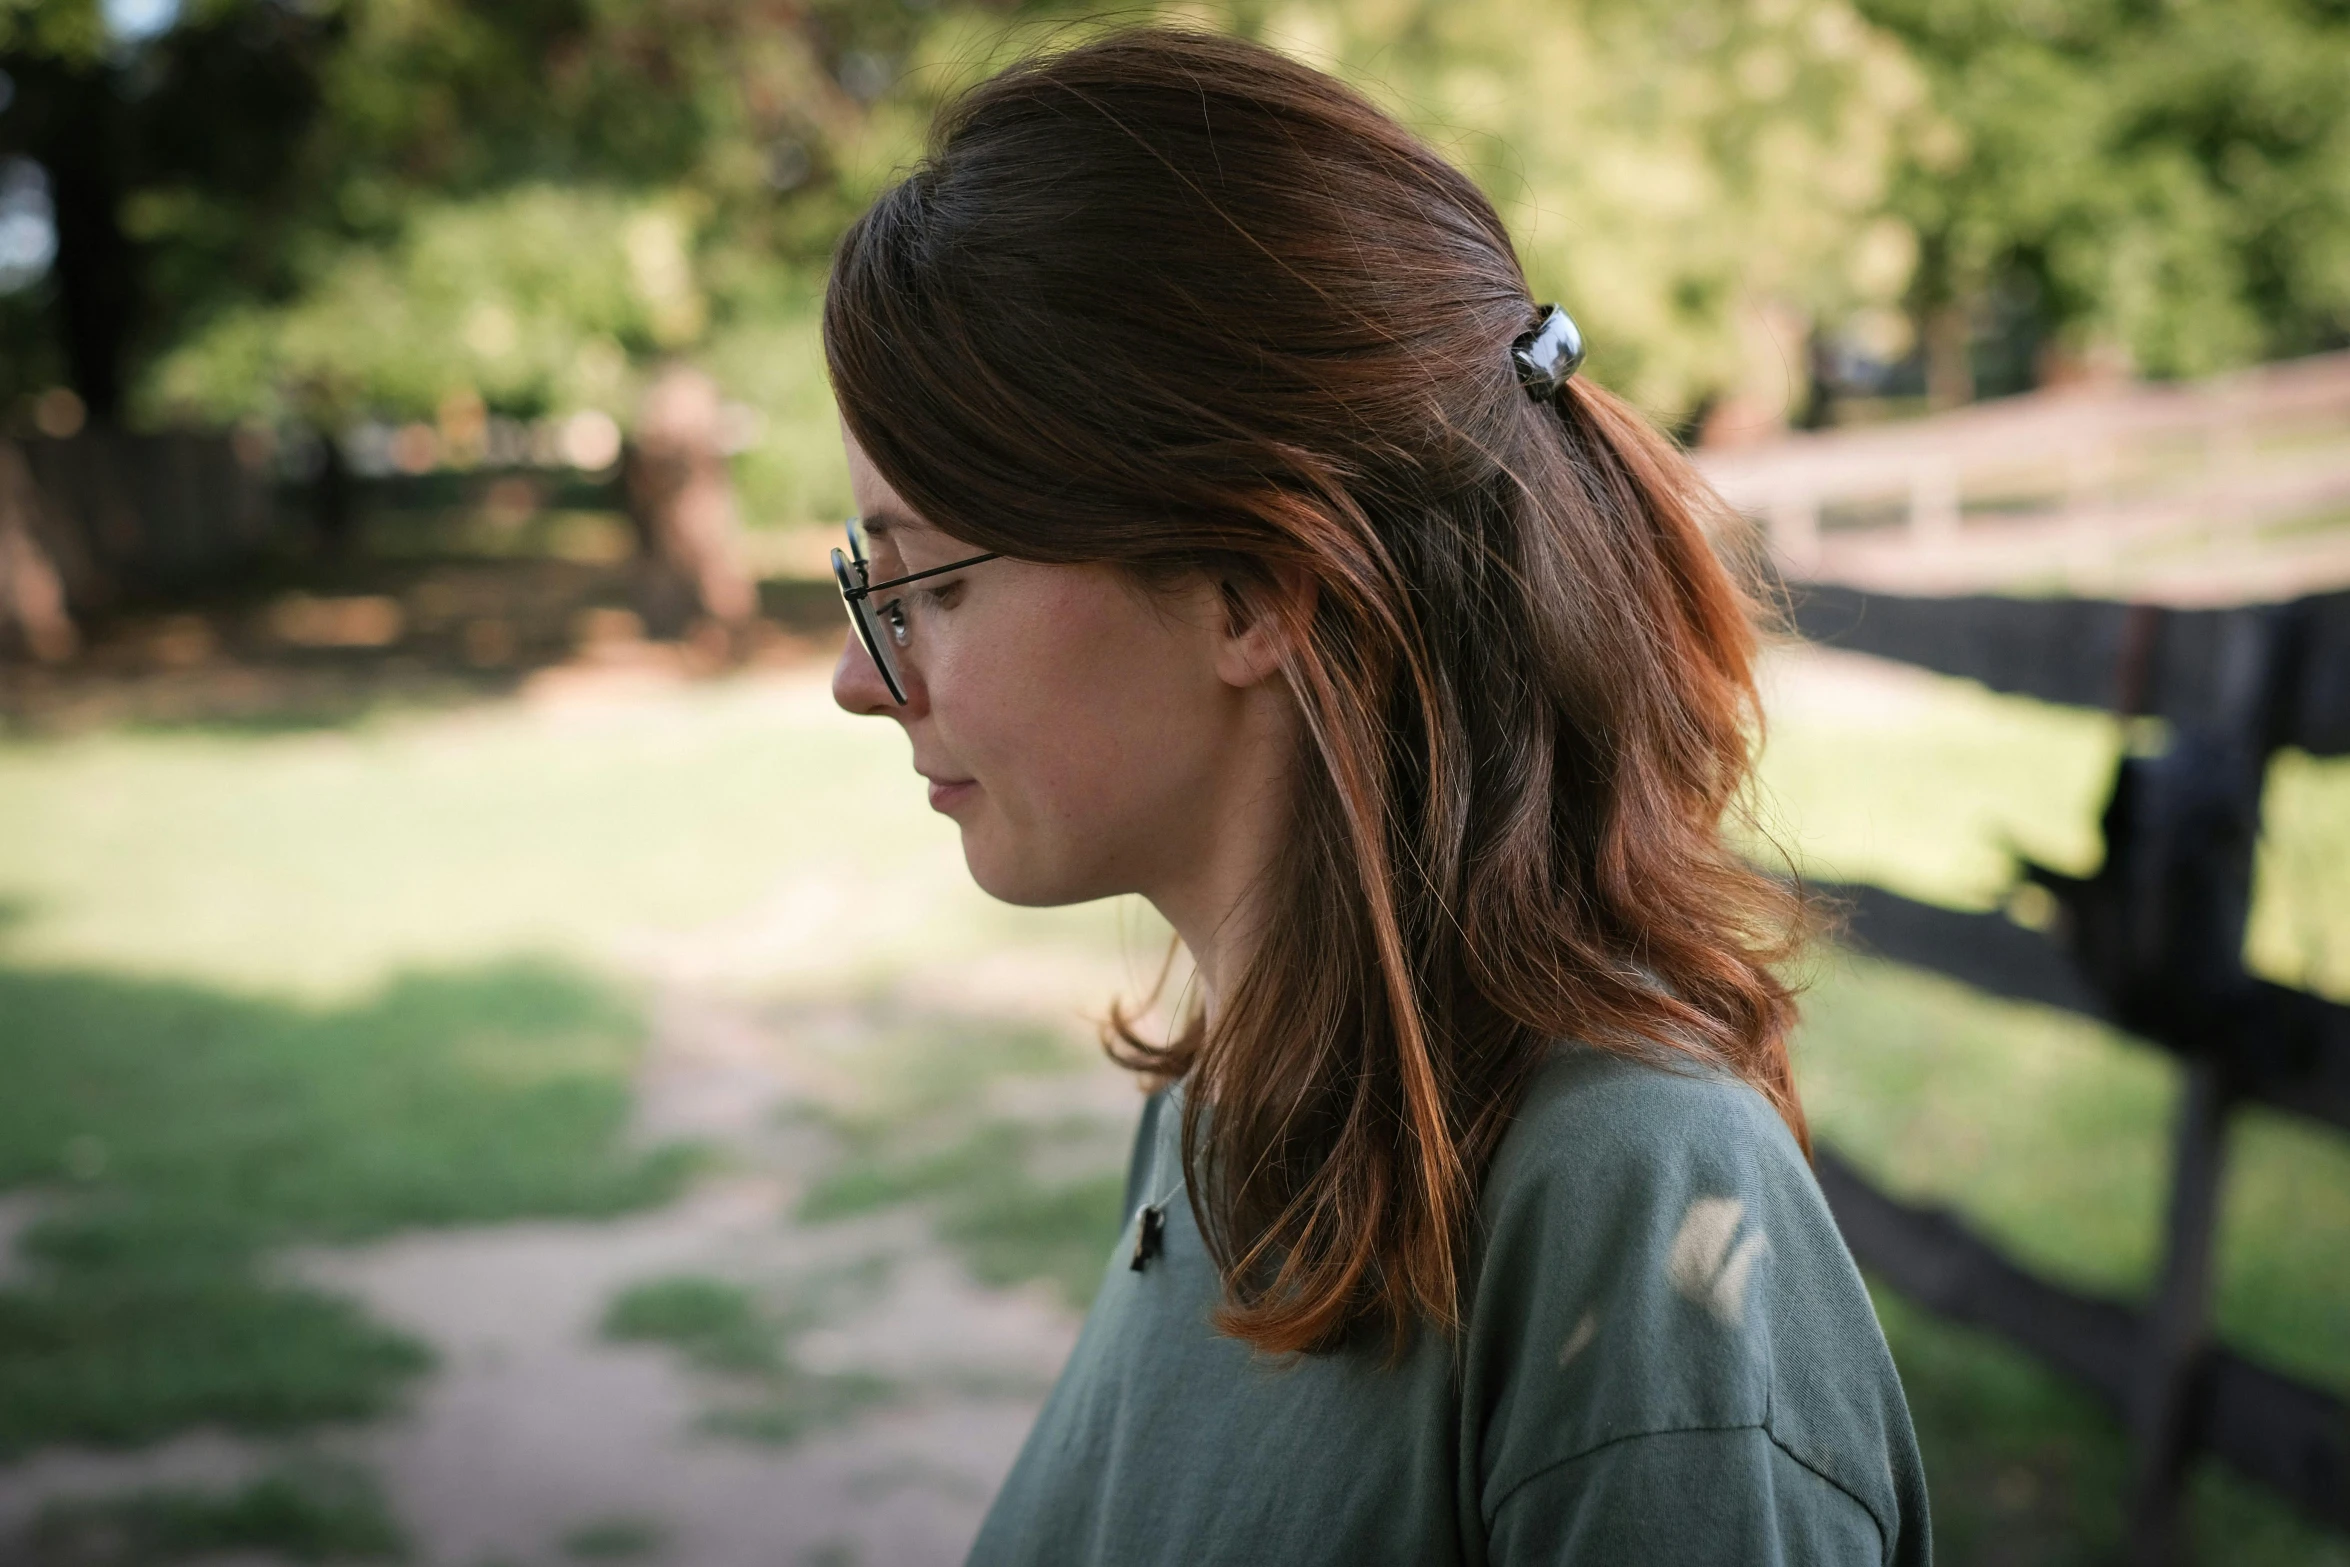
[537, 1440]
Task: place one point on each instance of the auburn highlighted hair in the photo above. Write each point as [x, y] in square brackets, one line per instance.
[1176, 302]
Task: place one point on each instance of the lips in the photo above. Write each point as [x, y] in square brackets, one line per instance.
[947, 793]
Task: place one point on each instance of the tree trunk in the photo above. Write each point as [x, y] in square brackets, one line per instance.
[1950, 370]
[96, 274]
[33, 614]
[681, 499]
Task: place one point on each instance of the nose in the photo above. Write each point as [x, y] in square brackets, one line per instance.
[858, 688]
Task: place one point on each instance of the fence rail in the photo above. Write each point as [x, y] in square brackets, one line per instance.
[2152, 943]
[2287, 1436]
[2049, 479]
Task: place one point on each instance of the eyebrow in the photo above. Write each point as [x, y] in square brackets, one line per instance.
[887, 520]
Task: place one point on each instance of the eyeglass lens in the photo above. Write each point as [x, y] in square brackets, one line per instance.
[854, 573]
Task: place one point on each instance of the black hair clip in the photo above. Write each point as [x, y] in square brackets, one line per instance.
[1547, 354]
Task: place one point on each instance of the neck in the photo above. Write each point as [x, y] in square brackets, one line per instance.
[1214, 895]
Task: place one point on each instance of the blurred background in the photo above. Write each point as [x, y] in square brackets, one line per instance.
[494, 1069]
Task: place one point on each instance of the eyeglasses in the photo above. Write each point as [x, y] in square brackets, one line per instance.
[883, 627]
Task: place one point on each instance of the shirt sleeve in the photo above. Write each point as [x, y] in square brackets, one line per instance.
[1671, 1357]
[1684, 1499]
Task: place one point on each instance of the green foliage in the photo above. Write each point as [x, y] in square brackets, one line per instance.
[1663, 167]
[526, 203]
[374, 206]
[534, 299]
[314, 1513]
[71, 30]
[2171, 178]
[187, 1131]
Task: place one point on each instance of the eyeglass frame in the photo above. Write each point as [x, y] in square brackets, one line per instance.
[853, 596]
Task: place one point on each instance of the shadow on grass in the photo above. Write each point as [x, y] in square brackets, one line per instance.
[2027, 1470]
[183, 1131]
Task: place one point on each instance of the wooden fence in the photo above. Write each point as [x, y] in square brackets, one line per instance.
[2051, 483]
[2152, 943]
[87, 521]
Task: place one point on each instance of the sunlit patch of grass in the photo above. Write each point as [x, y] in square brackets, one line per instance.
[1926, 785]
[1009, 1225]
[2284, 1245]
[256, 993]
[2301, 905]
[716, 1325]
[1019, 1198]
[614, 1539]
[188, 1131]
[324, 864]
[726, 1331]
[314, 1513]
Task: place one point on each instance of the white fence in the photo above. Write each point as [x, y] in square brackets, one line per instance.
[2061, 488]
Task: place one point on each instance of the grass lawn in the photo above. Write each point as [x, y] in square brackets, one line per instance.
[261, 988]
[2050, 1132]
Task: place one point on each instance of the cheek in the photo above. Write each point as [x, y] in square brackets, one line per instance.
[1073, 714]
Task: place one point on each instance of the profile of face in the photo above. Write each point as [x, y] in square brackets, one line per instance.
[1089, 735]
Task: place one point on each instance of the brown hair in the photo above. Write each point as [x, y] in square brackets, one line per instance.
[1176, 302]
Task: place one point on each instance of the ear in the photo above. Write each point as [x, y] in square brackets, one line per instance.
[1256, 637]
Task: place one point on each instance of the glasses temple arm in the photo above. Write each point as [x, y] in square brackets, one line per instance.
[917, 576]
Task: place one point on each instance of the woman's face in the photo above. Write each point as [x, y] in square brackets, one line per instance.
[1088, 738]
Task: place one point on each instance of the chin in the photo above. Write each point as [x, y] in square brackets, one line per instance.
[1023, 879]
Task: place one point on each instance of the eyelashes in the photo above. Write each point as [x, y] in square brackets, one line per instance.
[939, 596]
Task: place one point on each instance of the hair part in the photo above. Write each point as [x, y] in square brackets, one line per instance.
[1176, 302]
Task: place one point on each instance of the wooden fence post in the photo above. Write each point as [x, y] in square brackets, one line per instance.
[2173, 1392]
[1934, 506]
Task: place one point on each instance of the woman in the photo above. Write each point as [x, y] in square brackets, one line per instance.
[1237, 533]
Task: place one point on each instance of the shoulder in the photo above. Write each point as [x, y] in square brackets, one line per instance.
[1657, 1259]
[1592, 1114]
[1612, 1164]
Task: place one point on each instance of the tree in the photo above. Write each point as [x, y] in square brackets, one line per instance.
[1671, 170]
[2167, 177]
[171, 164]
[257, 160]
